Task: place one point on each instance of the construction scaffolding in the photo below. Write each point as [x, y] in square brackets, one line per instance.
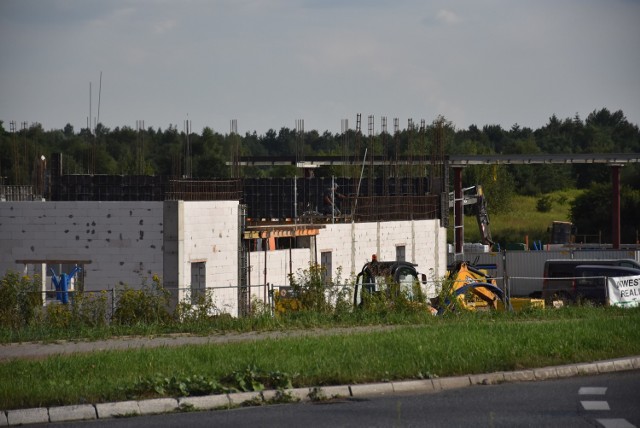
[383, 178]
[276, 199]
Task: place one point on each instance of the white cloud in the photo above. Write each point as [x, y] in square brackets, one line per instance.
[447, 17]
[164, 26]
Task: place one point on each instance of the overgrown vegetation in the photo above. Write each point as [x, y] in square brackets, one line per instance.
[147, 305]
[19, 300]
[248, 379]
[312, 300]
[100, 314]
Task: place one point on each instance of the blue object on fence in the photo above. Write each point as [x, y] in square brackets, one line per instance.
[61, 283]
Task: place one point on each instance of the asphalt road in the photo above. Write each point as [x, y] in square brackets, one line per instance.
[606, 400]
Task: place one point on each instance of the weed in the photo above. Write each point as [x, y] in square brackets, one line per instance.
[316, 394]
[186, 408]
[250, 379]
[20, 299]
[283, 397]
[150, 304]
[174, 386]
[197, 309]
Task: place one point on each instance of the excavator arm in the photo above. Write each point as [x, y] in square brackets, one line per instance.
[482, 215]
[473, 288]
[475, 196]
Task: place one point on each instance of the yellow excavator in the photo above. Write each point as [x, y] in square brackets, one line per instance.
[470, 288]
[466, 286]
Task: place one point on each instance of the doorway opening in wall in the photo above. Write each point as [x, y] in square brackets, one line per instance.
[198, 282]
[400, 253]
[326, 266]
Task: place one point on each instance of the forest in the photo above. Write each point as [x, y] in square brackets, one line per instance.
[24, 149]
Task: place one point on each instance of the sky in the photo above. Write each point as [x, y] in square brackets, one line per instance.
[268, 63]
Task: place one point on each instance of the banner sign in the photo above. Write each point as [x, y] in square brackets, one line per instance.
[624, 291]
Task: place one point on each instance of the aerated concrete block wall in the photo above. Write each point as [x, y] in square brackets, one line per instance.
[352, 245]
[129, 242]
[123, 240]
[211, 236]
[280, 264]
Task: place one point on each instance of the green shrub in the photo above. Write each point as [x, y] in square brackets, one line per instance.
[544, 204]
[57, 315]
[20, 300]
[314, 292]
[198, 309]
[89, 308]
[149, 305]
[392, 298]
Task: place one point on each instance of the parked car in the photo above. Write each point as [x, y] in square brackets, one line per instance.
[559, 275]
[591, 281]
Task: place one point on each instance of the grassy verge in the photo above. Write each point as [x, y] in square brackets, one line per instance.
[453, 345]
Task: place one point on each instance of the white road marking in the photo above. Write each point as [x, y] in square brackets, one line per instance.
[615, 423]
[592, 390]
[602, 405]
[595, 405]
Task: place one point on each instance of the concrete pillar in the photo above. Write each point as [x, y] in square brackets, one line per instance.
[457, 210]
[173, 254]
[615, 206]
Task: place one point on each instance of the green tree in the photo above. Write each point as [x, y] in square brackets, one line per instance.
[208, 156]
[591, 212]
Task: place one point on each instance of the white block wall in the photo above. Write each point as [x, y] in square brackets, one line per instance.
[123, 240]
[129, 242]
[211, 235]
[278, 268]
[351, 246]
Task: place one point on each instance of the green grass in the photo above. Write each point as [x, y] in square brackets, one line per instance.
[523, 219]
[443, 346]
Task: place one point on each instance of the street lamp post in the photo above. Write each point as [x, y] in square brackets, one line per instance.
[43, 169]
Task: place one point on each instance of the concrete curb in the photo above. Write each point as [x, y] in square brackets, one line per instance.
[226, 401]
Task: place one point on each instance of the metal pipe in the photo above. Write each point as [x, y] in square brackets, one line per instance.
[457, 211]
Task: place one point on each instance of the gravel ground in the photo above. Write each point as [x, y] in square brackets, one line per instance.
[36, 350]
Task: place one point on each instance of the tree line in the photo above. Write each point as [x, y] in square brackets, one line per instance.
[206, 155]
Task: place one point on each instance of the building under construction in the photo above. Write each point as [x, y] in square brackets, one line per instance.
[236, 237]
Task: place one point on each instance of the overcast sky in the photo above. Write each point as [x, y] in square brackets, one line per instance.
[267, 63]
